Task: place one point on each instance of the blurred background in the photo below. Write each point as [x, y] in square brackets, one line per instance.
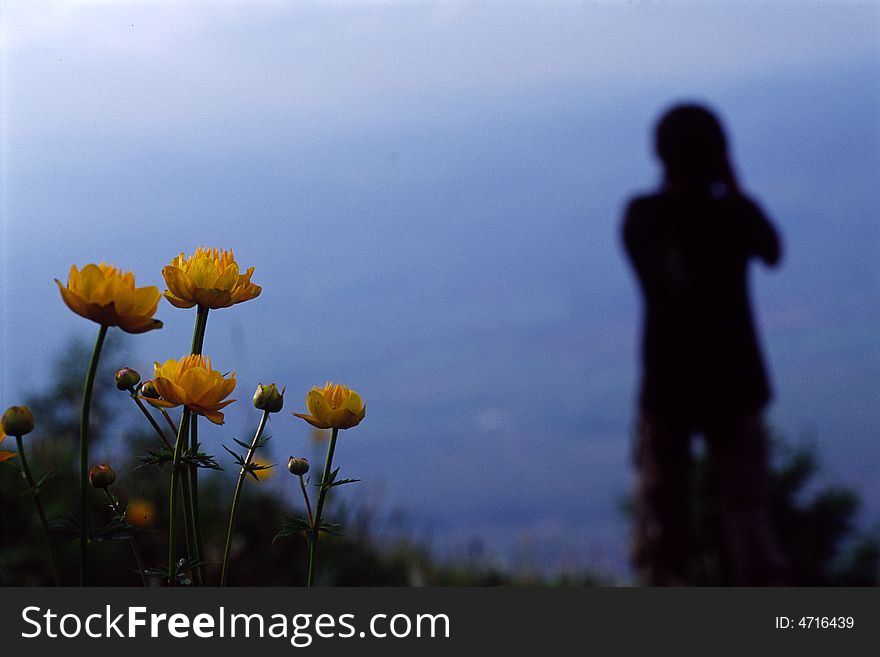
[431, 194]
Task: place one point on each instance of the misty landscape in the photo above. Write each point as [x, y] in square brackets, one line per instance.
[431, 197]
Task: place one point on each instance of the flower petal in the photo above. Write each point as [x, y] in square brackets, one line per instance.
[213, 407]
[72, 301]
[212, 297]
[353, 402]
[203, 272]
[158, 403]
[178, 303]
[170, 391]
[178, 281]
[90, 283]
[214, 416]
[195, 381]
[228, 279]
[317, 404]
[146, 300]
[219, 389]
[139, 324]
[342, 418]
[168, 369]
[315, 422]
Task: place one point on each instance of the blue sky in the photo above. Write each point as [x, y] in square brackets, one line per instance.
[431, 193]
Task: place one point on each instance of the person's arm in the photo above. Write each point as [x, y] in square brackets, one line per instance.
[763, 238]
[630, 233]
[635, 241]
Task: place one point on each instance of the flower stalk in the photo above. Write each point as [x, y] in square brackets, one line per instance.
[120, 513]
[84, 457]
[197, 343]
[176, 477]
[35, 493]
[152, 420]
[237, 494]
[319, 507]
[170, 422]
[302, 485]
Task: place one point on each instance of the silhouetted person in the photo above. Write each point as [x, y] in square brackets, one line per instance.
[690, 244]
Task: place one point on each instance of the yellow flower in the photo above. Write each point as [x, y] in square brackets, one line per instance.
[141, 513]
[108, 296]
[209, 278]
[5, 456]
[265, 471]
[334, 407]
[192, 383]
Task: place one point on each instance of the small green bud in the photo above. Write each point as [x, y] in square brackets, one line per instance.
[298, 465]
[101, 476]
[17, 421]
[127, 378]
[267, 398]
[149, 391]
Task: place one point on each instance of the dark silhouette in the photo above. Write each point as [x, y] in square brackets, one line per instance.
[690, 244]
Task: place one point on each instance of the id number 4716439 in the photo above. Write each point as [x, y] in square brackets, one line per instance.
[815, 623]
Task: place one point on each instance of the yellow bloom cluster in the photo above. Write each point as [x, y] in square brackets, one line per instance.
[192, 382]
[108, 296]
[209, 278]
[334, 407]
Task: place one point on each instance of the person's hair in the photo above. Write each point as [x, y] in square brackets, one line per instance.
[691, 144]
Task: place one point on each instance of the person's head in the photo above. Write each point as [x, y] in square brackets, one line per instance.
[690, 143]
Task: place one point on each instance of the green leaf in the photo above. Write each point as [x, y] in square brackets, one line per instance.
[241, 443]
[342, 482]
[331, 528]
[46, 477]
[65, 529]
[116, 529]
[331, 481]
[238, 457]
[181, 570]
[252, 468]
[293, 526]
[158, 457]
[200, 459]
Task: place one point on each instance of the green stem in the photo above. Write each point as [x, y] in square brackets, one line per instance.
[313, 547]
[152, 420]
[170, 422]
[35, 493]
[197, 343]
[302, 484]
[199, 331]
[175, 474]
[188, 524]
[193, 475]
[84, 459]
[114, 504]
[237, 494]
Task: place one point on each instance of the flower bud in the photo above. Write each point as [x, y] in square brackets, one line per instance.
[127, 378]
[267, 398]
[101, 476]
[17, 421]
[149, 391]
[298, 465]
